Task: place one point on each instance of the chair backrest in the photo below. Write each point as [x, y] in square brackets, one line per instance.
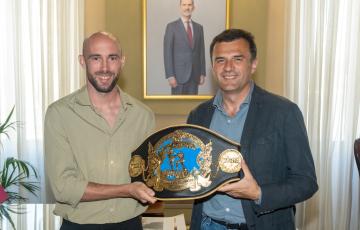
[357, 153]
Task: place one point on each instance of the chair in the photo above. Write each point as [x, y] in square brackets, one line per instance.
[357, 153]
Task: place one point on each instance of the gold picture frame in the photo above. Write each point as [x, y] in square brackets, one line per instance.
[156, 14]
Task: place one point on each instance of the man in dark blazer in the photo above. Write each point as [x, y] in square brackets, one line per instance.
[184, 53]
[278, 169]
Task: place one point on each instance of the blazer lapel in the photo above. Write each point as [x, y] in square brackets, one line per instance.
[181, 28]
[206, 121]
[195, 32]
[250, 122]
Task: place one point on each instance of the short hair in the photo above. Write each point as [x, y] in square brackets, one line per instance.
[230, 35]
[191, 1]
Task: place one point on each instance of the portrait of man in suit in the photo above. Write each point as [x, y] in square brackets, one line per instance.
[184, 52]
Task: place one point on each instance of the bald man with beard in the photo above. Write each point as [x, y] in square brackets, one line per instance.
[89, 136]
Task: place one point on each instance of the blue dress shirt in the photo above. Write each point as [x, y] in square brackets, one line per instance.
[221, 206]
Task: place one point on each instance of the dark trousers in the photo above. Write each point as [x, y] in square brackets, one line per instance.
[132, 224]
[209, 223]
[191, 87]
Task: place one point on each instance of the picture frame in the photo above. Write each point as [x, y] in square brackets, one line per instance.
[214, 18]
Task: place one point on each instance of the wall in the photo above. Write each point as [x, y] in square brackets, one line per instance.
[124, 19]
[94, 16]
[275, 46]
[265, 19]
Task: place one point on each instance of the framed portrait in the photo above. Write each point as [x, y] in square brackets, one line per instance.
[170, 51]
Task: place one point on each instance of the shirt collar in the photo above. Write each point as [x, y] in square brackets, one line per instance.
[185, 21]
[82, 98]
[218, 100]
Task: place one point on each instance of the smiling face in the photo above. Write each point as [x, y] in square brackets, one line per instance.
[103, 61]
[233, 65]
[186, 8]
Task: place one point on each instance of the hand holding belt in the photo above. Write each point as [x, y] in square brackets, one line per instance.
[185, 162]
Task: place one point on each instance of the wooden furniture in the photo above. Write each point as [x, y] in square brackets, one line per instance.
[155, 210]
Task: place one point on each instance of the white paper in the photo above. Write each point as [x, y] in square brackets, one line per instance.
[164, 223]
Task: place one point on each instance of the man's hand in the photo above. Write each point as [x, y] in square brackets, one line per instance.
[141, 192]
[246, 188]
[202, 80]
[136, 190]
[172, 81]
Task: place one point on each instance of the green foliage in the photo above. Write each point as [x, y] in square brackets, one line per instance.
[15, 173]
[7, 124]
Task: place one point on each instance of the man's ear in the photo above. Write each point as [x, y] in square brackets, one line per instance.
[81, 59]
[254, 65]
[122, 61]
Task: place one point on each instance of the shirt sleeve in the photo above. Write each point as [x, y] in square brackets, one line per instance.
[168, 52]
[66, 180]
[258, 201]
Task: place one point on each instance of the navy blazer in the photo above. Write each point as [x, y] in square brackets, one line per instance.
[275, 146]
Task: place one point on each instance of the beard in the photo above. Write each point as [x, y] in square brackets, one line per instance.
[97, 86]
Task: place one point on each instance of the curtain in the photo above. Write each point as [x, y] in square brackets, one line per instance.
[34, 217]
[40, 41]
[323, 78]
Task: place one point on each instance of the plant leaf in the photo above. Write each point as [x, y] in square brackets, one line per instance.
[7, 124]
[15, 173]
[4, 212]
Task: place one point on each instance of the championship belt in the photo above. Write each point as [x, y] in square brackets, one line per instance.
[185, 162]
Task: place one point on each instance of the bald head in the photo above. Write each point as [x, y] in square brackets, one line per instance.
[96, 37]
[192, 1]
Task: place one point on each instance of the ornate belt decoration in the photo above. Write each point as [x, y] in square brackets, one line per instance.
[185, 162]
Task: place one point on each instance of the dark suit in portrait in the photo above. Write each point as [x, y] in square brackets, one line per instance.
[182, 60]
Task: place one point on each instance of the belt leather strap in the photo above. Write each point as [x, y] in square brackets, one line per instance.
[241, 226]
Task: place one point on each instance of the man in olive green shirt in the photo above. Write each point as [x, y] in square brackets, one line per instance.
[89, 137]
